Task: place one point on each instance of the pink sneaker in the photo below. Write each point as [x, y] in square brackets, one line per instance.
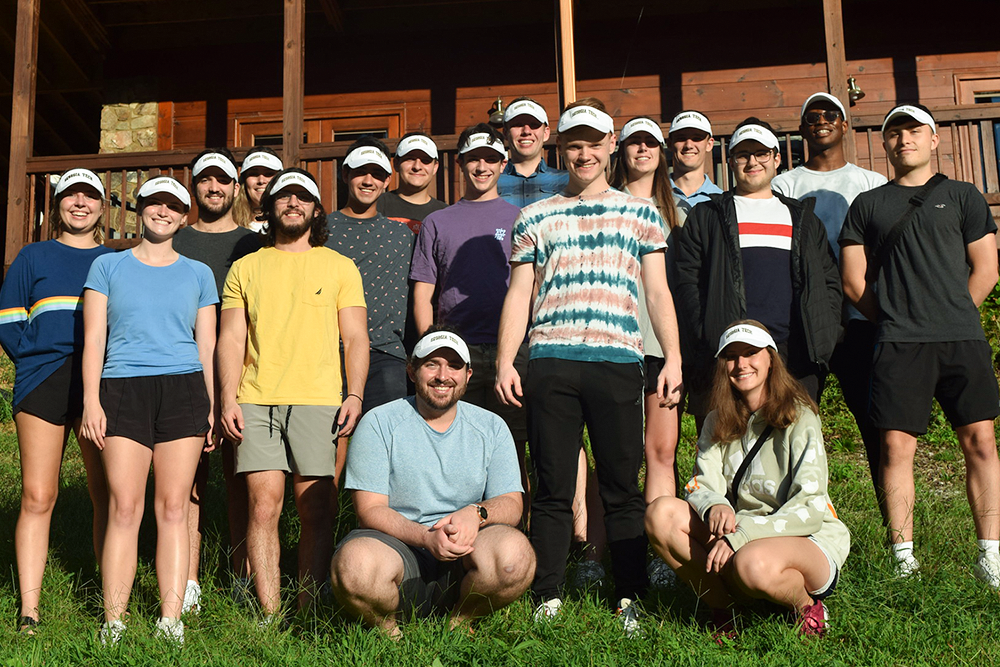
[813, 620]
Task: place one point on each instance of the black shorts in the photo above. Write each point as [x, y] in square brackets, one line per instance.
[156, 408]
[959, 374]
[651, 370]
[429, 586]
[59, 398]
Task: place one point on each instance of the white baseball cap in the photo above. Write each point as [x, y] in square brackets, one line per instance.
[640, 125]
[826, 97]
[757, 133]
[482, 140]
[585, 115]
[78, 175]
[166, 185]
[523, 107]
[686, 119]
[417, 142]
[438, 339]
[746, 333]
[916, 113]
[217, 160]
[287, 178]
[262, 159]
[363, 155]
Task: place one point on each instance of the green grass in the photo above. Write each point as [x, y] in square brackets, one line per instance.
[945, 617]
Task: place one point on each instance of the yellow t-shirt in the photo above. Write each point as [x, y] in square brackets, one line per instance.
[293, 340]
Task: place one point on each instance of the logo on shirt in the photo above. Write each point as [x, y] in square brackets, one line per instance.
[500, 234]
[319, 291]
[939, 205]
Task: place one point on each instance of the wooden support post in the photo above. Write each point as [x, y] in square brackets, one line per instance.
[294, 85]
[836, 65]
[567, 55]
[22, 126]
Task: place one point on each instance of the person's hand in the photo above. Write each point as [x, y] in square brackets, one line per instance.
[94, 423]
[721, 520]
[719, 555]
[508, 385]
[210, 437]
[349, 414]
[232, 423]
[669, 383]
[455, 534]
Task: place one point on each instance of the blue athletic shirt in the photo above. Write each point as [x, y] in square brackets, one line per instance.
[41, 310]
[151, 313]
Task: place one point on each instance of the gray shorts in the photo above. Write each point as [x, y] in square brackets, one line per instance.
[429, 585]
[293, 438]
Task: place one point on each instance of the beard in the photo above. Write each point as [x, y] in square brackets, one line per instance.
[441, 403]
[292, 232]
[216, 211]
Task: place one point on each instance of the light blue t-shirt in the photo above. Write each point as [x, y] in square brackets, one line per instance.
[151, 313]
[687, 202]
[428, 475]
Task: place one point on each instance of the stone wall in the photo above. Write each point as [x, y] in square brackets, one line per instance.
[129, 128]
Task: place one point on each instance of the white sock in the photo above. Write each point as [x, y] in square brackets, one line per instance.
[903, 550]
[988, 547]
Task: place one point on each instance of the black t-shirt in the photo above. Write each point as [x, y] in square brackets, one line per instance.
[923, 289]
[218, 251]
[394, 207]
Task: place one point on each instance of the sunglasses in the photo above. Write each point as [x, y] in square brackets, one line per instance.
[423, 159]
[812, 117]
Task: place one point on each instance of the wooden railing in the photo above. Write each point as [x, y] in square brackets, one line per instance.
[967, 152]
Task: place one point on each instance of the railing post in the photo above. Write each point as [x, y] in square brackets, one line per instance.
[293, 94]
[22, 126]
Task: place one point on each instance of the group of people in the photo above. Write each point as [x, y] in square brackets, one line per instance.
[421, 349]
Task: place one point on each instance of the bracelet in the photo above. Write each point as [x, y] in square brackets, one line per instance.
[357, 397]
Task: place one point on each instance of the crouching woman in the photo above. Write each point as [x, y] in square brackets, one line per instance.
[757, 522]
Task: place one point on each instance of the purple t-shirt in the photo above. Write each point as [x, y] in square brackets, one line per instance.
[465, 251]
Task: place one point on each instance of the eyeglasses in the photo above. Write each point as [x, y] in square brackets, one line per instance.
[303, 197]
[812, 117]
[423, 159]
[762, 156]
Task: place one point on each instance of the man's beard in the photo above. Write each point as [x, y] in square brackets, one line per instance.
[292, 232]
[215, 212]
[441, 403]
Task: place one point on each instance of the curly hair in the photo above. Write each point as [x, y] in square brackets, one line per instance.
[318, 232]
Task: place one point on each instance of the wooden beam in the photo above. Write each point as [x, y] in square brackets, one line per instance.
[22, 126]
[334, 14]
[567, 52]
[293, 106]
[836, 64]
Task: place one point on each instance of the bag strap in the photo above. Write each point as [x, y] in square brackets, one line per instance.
[738, 477]
[901, 225]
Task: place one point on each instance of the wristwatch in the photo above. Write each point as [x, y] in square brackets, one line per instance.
[483, 514]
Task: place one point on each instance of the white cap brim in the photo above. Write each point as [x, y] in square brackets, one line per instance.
[166, 185]
[262, 159]
[525, 108]
[482, 140]
[363, 155]
[588, 116]
[745, 333]
[439, 339]
[826, 97]
[756, 133]
[217, 160]
[916, 113]
[79, 175]
[641, 125]
[686, 119]
[417, 142]
[294, 178]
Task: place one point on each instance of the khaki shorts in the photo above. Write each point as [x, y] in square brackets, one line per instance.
[293, 438]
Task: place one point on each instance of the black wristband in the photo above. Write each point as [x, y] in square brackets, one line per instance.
[357, 397]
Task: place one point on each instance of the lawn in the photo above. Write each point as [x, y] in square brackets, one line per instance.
[944, 617]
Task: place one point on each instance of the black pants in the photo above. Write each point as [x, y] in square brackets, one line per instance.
[561, 397]
[852, 364]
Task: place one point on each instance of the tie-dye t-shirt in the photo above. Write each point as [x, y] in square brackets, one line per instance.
[587, 253]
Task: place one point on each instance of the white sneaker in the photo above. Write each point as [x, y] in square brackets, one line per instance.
[547, 611]
[171, 629]
[628, 617]
[192, 597]
[660, 574]
[988, 569]
[589, 573]
[907, 567]
[111, 633]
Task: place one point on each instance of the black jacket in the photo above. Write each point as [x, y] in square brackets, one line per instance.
[709, 290]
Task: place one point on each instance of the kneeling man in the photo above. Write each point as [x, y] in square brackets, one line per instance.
[437, 489]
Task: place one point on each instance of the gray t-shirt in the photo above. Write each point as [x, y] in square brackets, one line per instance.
[218, 251]
[923, 289]
[381, 248]
[428, 475]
